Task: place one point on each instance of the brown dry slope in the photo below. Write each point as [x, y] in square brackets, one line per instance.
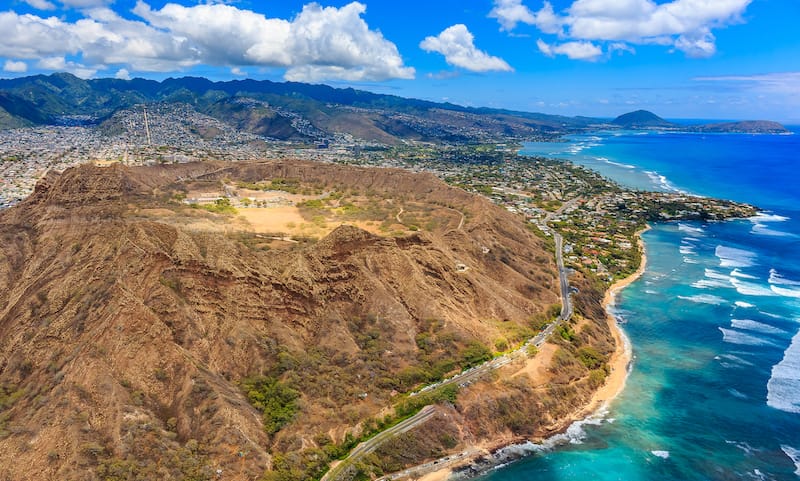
[125, 340]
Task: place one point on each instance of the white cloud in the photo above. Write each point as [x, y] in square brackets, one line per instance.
[686, 25]
[41, 4]
[62, 65]
[318, 44]
[573, 50]
[85, 3]
[123, 74]
[456, 43]
[777, 82]
[337, 43]
[509, 13]
[15, 67]
[238, 72]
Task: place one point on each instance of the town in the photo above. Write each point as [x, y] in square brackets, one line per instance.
[598, 218]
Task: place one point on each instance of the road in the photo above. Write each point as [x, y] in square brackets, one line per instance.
[374, 442]
[463, 379]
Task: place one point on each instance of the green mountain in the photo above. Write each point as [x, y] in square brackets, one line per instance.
[641, 119]
[274, 109]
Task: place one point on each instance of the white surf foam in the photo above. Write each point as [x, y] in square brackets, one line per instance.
[765, 217]
[712, 274]
[618, 164]
[782, 291]
[751, 325]
[742, 275]
[737, 394]
[752, 289]
[743, 339]
[710, 284]
[744, 305]
[686, 250]
[778, 279]
[733, 257]
[690, 229]
[662, 181]
[704, 299]
[736, 359]
[783, 387]
[794, 455]
[760, 226]
[660, 454]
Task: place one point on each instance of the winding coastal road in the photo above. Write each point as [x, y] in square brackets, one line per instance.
[462, 379]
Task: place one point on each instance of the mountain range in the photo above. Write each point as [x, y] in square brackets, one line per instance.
[279, 110]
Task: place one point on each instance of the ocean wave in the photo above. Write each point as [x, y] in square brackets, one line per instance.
[737, 394]
[766, 217]
[711, 284]
[736, 359]
[575, 434]
[712, 274]
[733, 257]
[794, 455]
[748, 450]
[783, 387]
[752, 289]
[751, 325]
[687, 250]
[618, 164]
[743, 339]
[689, 260]
[782, 291]
[744, 305]
[775, 278]
[742, 275]
[760, 226]
[762, 229]
[704, 299]
[662, 181]
[660, 454]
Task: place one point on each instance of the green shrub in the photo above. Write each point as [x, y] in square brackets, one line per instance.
[591, 358]
[276, 400]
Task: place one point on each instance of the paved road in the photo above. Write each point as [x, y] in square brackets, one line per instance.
[463, 379]
[374, 442]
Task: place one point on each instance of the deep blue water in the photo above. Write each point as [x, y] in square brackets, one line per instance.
[714, 393]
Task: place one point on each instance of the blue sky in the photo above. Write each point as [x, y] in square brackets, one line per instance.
[716, 59]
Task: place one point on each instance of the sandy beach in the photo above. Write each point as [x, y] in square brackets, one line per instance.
[615, 382]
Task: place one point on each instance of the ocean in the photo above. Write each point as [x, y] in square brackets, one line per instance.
[714, 391]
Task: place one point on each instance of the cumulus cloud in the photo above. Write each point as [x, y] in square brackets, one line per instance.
[15, 67]
[573, 50]
[62, 65]
[41, 4]
[510, 13]
[318, 44]
[122, 74]
[685, 25]
[457, 45]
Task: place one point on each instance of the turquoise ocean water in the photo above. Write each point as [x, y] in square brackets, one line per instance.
[714, 393]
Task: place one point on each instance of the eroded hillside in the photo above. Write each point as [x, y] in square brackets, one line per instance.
[135, 344]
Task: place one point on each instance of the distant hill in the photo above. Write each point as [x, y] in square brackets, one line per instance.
[747, 126]
[281, 110]
[644, 119]
[641, 119]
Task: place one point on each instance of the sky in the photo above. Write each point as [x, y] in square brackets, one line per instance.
[708, 59]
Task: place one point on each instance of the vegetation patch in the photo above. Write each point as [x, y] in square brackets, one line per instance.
[275, 399]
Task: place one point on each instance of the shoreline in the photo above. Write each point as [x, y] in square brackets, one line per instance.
[503, 452]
